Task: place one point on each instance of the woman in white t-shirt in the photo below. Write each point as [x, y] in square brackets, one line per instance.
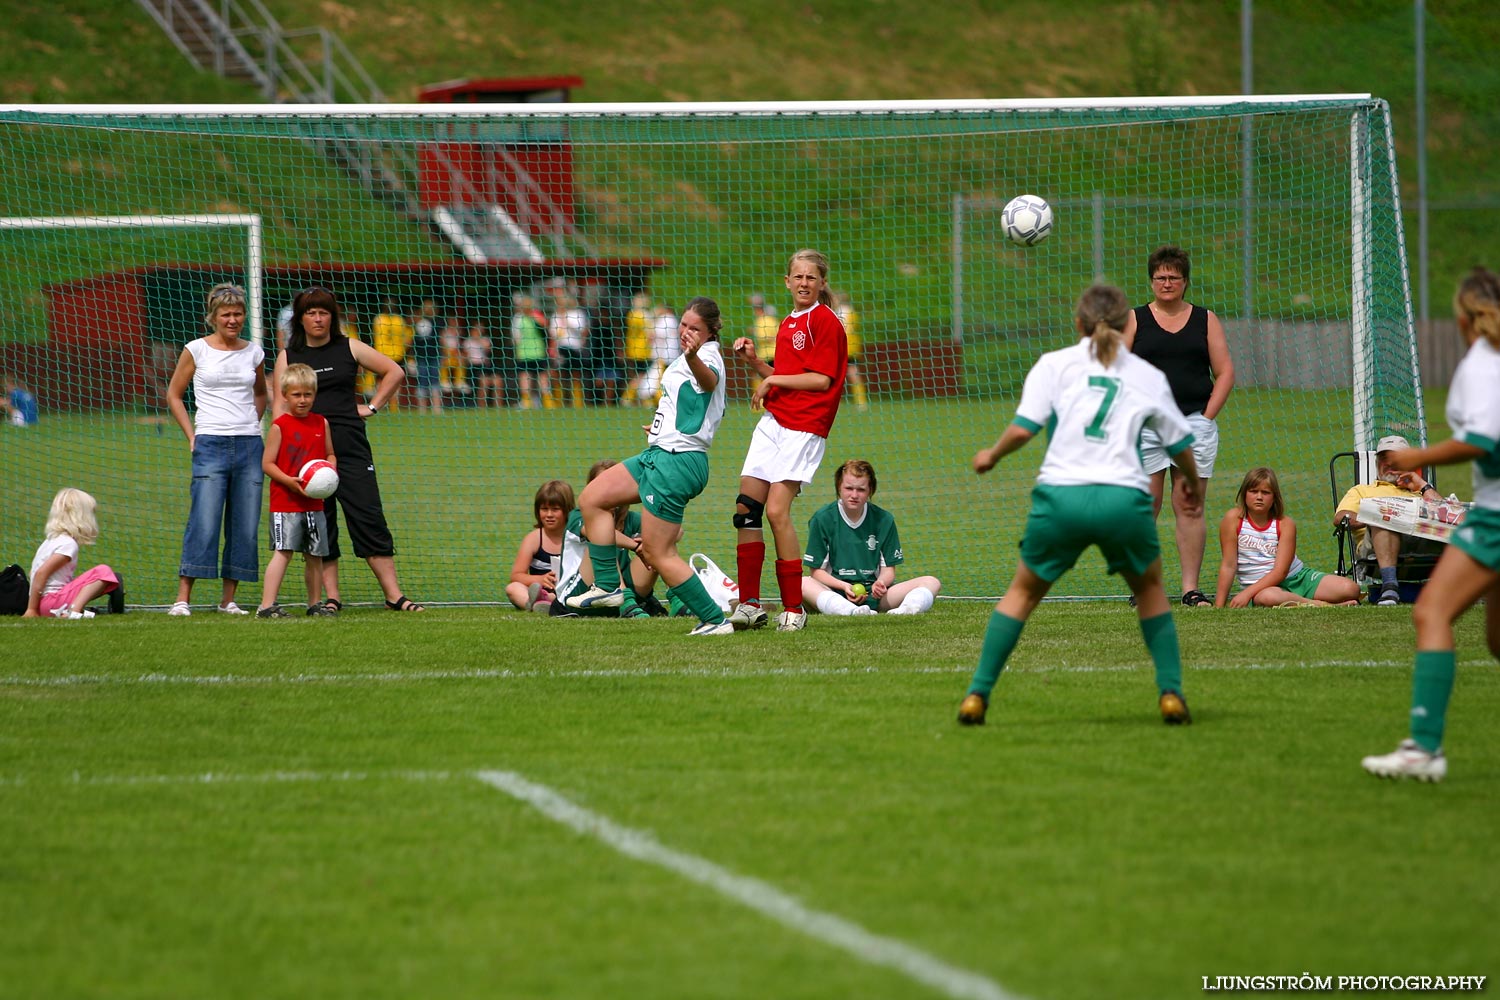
[229, 390]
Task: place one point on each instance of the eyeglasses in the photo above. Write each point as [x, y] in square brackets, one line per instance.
[226, 292]
[1168, 279]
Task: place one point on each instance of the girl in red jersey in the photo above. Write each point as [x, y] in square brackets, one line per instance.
[800, 395]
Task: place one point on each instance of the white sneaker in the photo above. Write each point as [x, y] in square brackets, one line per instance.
[861, 610]
[596, 597]
[747, 616]
[180, 610]
[713, 628]
[1408, 761]
[791, 621]
[231, 609]
[70, 615]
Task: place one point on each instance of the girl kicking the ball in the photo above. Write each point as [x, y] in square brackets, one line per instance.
[801, 397]
[1091, 490]
[853, 551]
[664, 478]
[1258, 546]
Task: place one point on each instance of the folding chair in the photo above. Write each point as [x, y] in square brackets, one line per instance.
[1418, 555]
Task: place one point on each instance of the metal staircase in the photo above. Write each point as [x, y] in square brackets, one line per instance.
[241, 39]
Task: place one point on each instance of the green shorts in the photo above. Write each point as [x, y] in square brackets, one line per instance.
[1066, 520]
[668, 480]
[1479, 537]
[1304, 582]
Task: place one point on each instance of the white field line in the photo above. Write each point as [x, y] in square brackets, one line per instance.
[752, 893]
[644, 673]
[759, 896]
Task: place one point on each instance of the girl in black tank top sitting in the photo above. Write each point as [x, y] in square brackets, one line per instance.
[533, 574]
[317, 341]
[1187, 343]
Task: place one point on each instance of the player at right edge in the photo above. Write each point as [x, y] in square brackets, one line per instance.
[1094, 398]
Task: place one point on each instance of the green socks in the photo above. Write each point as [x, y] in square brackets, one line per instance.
[1000, 638]
[1160, 634]
[692, 593]
[606, 566]
[1430, 687]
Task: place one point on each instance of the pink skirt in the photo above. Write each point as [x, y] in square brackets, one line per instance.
[64, 598]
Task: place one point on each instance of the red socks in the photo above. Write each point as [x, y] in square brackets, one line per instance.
[789, 582]
[750, 557]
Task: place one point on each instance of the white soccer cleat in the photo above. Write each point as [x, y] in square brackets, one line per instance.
[1408, 761]
[231, 609]
[747, 616]
[713, 628]
[791, 621]
[180, 610]
[595, 597]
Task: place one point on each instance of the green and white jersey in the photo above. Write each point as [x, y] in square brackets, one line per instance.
[1094, 415]
[852, 552]
[687, 417]
[1474, 415]
[575, 551]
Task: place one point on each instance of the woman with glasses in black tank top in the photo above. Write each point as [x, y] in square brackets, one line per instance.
[317, 341]
[1187, 343]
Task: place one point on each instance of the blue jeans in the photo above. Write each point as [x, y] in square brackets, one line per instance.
[226, 492]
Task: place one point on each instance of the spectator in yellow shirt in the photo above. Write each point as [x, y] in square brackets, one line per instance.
[391, 335]
[1368, 538]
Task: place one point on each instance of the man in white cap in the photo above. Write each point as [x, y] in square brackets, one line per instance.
[1384, 543]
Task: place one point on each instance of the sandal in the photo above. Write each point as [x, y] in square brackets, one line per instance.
[333, 605]
[1197, 599]
[404, 603]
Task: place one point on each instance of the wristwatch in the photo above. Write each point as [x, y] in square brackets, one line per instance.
[373, 408]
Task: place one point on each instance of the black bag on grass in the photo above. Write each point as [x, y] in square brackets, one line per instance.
[15, 590]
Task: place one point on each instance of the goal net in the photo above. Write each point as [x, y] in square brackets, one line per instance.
[113, 226]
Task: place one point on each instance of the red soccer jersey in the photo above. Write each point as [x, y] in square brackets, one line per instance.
[811, 341]
[301, 441]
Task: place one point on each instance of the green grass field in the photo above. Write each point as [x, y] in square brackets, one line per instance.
[458, 489]
[234, 808]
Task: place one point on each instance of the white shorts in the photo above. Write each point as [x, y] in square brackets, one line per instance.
[1205, 447]
[778, 455]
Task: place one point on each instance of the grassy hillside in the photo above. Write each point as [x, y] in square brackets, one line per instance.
[851, 49]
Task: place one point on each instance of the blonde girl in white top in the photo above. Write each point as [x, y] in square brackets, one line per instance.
[228, 376]
[57, 588]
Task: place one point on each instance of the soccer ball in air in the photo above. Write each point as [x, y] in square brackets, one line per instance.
[1027, 219]
[318, 479]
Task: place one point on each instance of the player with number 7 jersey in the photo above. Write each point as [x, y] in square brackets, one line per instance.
[1094, 399]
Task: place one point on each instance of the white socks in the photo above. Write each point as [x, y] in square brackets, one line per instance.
[919, 600]
[834, 604]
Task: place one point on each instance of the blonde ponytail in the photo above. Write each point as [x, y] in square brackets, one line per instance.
[1102, 313]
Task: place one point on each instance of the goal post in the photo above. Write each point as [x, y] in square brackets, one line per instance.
[114, 222]
[250, 223]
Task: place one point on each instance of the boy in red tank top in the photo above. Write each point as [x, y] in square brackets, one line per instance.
[298, 524]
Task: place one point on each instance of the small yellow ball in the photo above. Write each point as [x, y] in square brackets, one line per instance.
[858, 590]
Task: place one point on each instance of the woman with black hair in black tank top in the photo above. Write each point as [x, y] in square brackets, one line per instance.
[317, 341]
[1187, 343]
